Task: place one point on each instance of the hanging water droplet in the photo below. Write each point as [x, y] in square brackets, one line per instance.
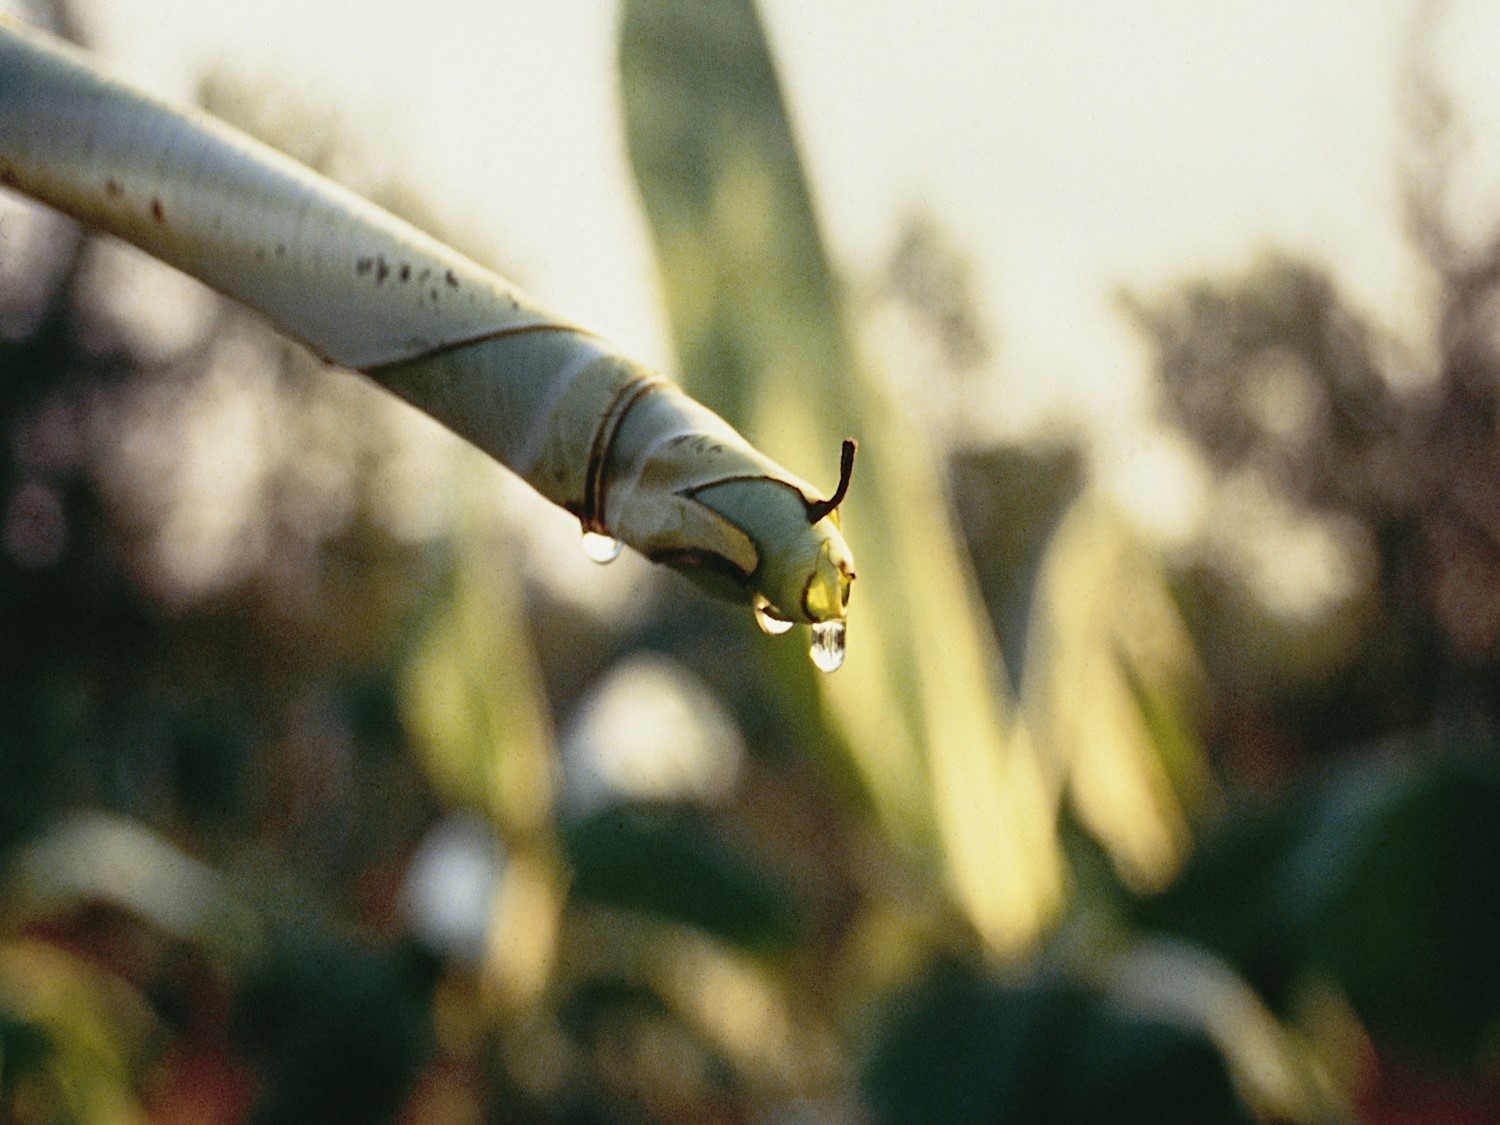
[766, 617]
[827, 650]
[601, 548]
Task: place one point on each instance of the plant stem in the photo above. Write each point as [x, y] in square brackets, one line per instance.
[628, 453]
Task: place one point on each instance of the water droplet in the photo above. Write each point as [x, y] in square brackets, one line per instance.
[769, 621]
[601, 548]
[827, 650]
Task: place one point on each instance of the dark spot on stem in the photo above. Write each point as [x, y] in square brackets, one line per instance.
[405, 271]
[281, 249]
[112, 188]
[434, 294]
[363, 266]
[157, 212]
[382, 270]
[450, 279]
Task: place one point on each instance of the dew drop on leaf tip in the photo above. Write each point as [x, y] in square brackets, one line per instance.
[770, 624]
[601, 548]
[827, 649]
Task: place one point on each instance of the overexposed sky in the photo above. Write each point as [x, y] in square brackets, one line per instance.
[1070, 146]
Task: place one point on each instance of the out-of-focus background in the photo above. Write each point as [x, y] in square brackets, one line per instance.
[1162, 781]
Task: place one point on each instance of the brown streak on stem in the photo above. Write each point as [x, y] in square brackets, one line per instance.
[596, 475]
[482, 338]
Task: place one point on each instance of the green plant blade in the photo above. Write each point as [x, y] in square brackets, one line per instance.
[760, 336]
[472, 694]
[1112, 692]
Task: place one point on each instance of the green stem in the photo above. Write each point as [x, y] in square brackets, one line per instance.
[629, 454]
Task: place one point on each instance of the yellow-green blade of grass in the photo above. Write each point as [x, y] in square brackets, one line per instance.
[474, 702]
[473, 696]
[756, 314]
[1113, 693]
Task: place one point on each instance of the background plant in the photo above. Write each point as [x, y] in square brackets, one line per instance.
[320, 811]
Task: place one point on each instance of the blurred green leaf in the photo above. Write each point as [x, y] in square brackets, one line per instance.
[1009, 500]
[74, 1040]
[1398, 892]
[1227, 897]
[673, 861]
[25, 1050]
[95, 859]
[1381, 876]
[472, 695]
[596, 1003]
[340, 1030]
[961, 1048]
[760, 335]
[1112, 691]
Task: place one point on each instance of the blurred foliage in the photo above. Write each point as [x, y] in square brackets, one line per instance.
[761, 336]
[1378, 875]
[673, 863]
[313, 808]
[963, 1049]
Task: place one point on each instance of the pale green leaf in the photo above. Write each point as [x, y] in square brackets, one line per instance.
[760, 335]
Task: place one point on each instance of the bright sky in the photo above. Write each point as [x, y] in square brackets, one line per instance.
[1070, 146]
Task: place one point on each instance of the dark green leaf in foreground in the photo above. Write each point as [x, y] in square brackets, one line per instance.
[964, 1050]
[1398, 890]
[1382, 876]
[674, 863]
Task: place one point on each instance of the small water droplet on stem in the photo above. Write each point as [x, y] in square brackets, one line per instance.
[601, 548]
[827, 649]
[771, 623]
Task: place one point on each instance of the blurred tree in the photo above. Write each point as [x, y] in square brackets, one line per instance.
[1365, 712]
[1280, 383]
[1283, 384]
